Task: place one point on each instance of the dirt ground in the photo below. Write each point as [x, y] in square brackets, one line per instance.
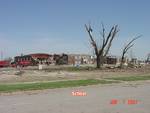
[13, 75]
[98, 99]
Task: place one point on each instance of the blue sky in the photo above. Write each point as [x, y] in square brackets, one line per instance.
[57, 26]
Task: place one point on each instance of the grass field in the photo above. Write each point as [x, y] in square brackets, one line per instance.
[69, 83]
[50, 85]
[32, 79]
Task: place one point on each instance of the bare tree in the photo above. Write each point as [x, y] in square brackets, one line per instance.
[102, 50]
[126, 48]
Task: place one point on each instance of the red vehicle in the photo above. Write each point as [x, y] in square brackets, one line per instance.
[4, 63]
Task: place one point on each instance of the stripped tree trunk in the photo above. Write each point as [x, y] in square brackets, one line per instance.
[102, 51]
[126, 48]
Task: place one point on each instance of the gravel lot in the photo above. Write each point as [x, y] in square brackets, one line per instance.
[97, 100]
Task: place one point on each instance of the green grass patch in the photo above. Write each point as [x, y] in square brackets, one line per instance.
[131, 78]
[50, 85]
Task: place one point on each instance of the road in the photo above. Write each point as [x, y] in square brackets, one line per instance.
[99, 99]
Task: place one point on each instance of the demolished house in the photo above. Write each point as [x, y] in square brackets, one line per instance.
[33, 59]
